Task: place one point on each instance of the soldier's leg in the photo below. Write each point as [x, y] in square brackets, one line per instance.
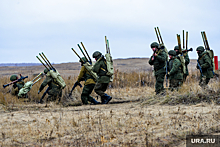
[100, 88]
[89, 88]
[85, 94]
[159, 83]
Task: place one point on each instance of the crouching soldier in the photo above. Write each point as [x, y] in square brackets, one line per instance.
[204, 63]
[175, 71]
[89, 84]
[54, 89]
[100, 68]
[16, 86]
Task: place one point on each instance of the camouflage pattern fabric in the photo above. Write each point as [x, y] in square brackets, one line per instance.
[175, 72]
[16, 87]
[206, 65]
[54, 91]
[100, 88]
[159, 63]
[85, 96]
[100, 68]
[86, 76]
[187, 61]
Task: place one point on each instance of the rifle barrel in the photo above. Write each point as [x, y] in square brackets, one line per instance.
[86, 52]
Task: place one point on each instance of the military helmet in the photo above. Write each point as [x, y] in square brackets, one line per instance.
[154, 45]
[13, 77]
[83, 59]
[96, 54]
[176, 48]
[46, 70]
[172, 53]
[200, 48]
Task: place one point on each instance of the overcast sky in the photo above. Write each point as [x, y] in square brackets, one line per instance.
[28, 27]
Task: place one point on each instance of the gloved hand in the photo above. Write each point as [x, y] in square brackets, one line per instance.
[38, 91]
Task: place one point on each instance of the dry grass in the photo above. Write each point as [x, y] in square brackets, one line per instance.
[135, 116]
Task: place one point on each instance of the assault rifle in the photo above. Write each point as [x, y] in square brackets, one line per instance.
[18, 80]
[74, 86]
[161, 46]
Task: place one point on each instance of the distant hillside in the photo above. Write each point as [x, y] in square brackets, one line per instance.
[20, 64]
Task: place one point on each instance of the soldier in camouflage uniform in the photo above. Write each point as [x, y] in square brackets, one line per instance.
[54, 91]
[206, 65]
[100, 68]
[175, 71]
[158, 60]
[89, 84]
[187, 60]
[16, 86]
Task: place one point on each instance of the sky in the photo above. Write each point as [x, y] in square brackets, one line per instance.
[29, 27]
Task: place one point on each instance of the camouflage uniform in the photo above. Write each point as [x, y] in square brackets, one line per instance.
[206, 64]
[175, 71]
[54, 91]
[88, 85]
[16, 86]
[187, 61]
[100, 68]
[159, 64]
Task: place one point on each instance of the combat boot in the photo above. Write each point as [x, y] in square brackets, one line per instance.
[95, 102]
[106, 98]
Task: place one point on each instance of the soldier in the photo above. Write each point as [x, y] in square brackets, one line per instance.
[175, 71]
[89, 84]
[158, 60]
[54, 89]
[205, 63]
[187, 60]
[100, 68]
[16, 86]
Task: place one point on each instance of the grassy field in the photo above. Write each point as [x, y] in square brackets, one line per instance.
[135, 116]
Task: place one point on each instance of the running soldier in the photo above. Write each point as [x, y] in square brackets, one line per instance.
[89, 84]
[100, 68]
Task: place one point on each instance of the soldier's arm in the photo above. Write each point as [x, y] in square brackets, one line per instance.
[96, 67]
[45, 82]
[176, 65]
[81, 74]
[207, 63]
[161, 57]
[151, 62]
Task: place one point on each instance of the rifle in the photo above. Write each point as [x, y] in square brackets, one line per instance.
[18, 80]
[200, 68]
[74, 86]
[41, 100]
